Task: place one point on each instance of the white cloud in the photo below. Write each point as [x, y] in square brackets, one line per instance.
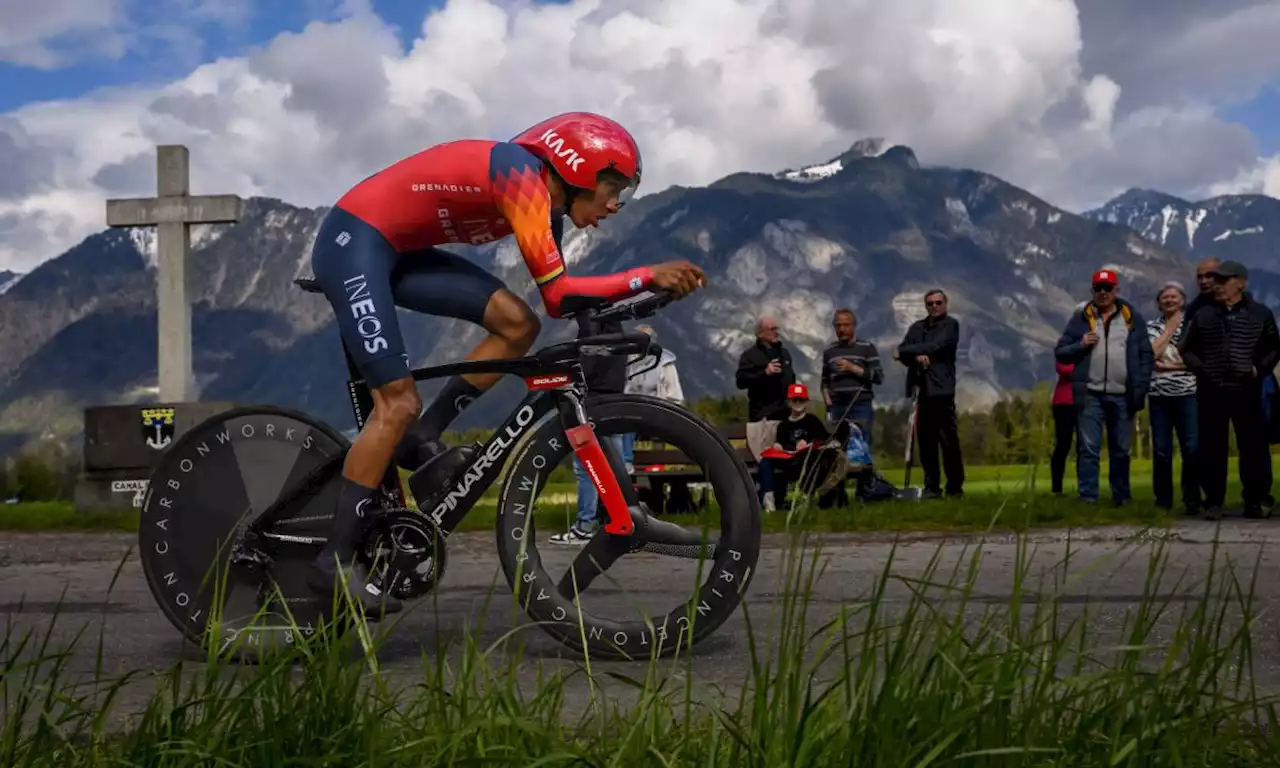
[709, 88]
[32, 33]
[1261, 178]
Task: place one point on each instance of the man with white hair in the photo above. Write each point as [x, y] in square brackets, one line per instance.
[658, 381]
[765, 372]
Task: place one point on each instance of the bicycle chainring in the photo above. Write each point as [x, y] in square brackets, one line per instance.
[405, 553]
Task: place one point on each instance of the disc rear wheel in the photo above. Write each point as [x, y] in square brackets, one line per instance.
[221, 474]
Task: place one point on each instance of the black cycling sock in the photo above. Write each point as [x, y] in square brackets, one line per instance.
[457, 394]
[353, 503]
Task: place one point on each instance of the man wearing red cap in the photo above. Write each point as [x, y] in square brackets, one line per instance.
[1107, 343]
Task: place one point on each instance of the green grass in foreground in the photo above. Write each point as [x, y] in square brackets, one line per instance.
[903, 682]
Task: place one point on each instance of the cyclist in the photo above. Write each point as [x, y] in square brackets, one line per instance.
[376, 249]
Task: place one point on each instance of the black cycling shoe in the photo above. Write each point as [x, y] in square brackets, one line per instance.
[440, 469]
[323, 579]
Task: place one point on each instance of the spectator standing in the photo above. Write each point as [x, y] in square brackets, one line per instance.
[661, 381]
[1204, 281]
[765, 372]
[1064, 419]
[1108, 344]
[1064, 425]
[929, 352]
[1172, 402]
[850, 370]
[1230, 346]
[603, 374]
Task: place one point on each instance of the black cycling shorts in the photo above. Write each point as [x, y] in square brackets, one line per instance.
[365, 280]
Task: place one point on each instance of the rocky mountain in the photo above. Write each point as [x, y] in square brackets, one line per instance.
[1245, 228]
[870, 229]
[8, 279]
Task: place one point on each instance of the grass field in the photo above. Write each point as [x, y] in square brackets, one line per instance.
[1003, 497]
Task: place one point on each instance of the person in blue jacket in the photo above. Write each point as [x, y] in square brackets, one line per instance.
[1107, 343]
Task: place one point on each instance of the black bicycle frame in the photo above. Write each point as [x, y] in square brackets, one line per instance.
[556, 381]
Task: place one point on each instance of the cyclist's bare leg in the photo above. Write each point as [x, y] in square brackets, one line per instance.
[512, 327]
[394, 407]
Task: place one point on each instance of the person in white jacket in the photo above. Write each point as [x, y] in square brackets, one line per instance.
[661, 381]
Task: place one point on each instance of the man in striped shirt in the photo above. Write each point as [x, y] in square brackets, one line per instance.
[850, 368]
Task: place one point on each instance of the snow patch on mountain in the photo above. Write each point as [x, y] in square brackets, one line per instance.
[872, 147]
[1167, 215]
[1231, 232]
[1193, 221]
[8, 280]
[814, 172]
[673, 218]
[202, 236]
[1025, 207]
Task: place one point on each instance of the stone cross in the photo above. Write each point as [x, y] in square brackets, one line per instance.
[172, 212]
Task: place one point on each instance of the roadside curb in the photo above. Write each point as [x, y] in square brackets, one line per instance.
[1188, 532]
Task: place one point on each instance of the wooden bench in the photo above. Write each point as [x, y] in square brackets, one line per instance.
[666, 477]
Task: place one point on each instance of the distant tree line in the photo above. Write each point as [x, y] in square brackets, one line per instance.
[1017, 430]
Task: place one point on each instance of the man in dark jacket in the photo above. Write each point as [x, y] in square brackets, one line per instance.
[1231, 345]
[1107, 342]
[929, 352]
[1205, 270]
[765, 372]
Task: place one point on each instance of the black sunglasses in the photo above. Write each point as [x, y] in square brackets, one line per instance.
[1103, 288]
[1219, 279]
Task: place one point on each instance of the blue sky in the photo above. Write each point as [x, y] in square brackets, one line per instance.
[157, 63]
[1262, 115]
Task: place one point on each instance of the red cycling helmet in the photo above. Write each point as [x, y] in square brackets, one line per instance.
[579, 145]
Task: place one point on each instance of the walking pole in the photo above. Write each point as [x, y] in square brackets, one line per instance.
[907, 491]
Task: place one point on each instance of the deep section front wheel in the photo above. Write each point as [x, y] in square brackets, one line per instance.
[714, 569]
[221, 474]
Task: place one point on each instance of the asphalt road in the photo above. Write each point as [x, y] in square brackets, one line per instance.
[40, 571]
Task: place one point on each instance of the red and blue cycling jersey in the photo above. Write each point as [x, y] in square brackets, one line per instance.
[476, 191]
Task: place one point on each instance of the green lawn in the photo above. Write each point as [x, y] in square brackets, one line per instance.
[1006, 497]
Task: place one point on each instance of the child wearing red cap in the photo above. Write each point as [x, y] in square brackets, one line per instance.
[797, 432]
